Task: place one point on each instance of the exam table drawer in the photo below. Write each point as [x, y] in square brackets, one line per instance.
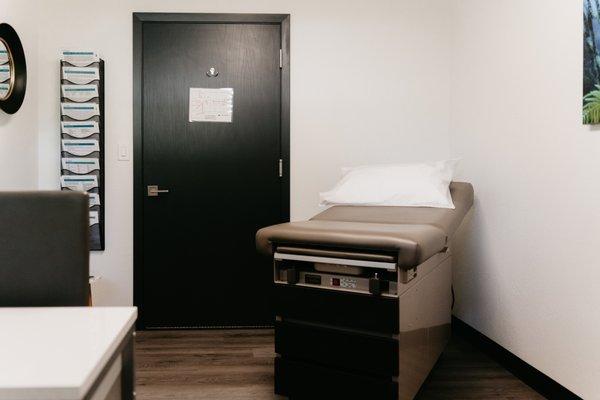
[300, 380]
[337, 308]
[337, 348]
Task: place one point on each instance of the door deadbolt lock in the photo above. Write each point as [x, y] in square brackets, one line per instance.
[154, 191]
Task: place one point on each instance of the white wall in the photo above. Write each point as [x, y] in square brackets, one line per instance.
[369, 84]
[529, 276]
[18, 132]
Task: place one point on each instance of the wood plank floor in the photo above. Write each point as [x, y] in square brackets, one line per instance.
[238, 364]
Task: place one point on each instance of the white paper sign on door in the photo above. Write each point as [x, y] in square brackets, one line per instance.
[211, 105]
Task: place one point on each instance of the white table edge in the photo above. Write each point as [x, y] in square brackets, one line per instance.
[93, 375]
[71, 393]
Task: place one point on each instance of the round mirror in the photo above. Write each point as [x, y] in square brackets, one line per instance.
[13, 70]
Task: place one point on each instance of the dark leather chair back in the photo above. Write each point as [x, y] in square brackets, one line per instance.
[44, 249]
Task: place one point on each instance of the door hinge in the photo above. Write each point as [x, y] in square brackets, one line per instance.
[280, 58]
[280, 168]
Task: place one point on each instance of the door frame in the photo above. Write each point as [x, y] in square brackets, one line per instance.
[139, 19]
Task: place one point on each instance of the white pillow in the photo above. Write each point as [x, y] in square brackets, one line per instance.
[409, 185]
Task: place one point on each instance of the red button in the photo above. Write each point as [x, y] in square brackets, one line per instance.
[335, 281]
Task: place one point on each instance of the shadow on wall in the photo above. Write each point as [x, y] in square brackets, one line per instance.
[473, 284]
[4, 118]
[594, 128]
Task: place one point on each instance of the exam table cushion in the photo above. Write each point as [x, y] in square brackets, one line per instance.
[413, 233]
[445, 219]
[413, 243]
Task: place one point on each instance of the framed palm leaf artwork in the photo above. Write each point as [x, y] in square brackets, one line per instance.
[591, 62]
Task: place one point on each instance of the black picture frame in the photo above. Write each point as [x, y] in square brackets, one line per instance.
[12, 103]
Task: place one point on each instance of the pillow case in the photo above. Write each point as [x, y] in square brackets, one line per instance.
[408, 185]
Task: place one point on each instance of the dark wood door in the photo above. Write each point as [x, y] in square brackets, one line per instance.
[200, 266]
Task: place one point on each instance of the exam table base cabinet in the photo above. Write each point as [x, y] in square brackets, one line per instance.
[350, 344]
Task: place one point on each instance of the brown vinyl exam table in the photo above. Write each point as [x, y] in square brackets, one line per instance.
[363, 298]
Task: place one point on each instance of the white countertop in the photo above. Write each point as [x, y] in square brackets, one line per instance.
[57, 353]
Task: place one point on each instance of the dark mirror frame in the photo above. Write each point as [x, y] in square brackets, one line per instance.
[14, 100]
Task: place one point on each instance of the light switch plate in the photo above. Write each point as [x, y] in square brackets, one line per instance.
[123, 152]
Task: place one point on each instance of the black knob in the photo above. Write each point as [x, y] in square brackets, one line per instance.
[375, 285]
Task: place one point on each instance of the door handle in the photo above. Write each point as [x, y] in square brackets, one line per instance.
[154, 191]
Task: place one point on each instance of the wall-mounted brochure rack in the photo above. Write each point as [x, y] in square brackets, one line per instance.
[82, 133]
